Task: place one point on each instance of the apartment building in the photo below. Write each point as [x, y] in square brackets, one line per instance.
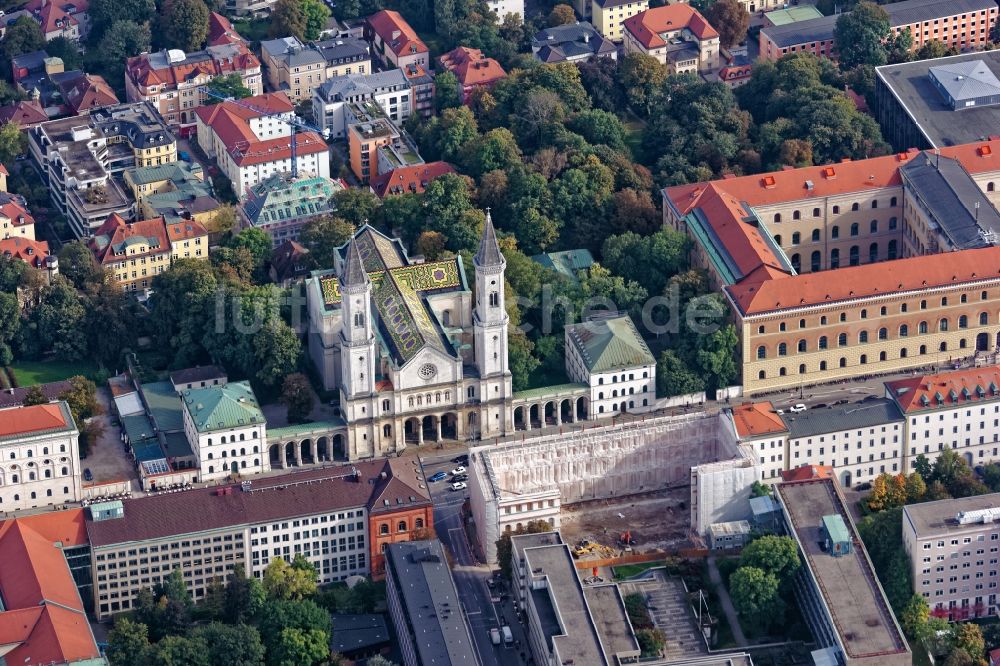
[394, 42]
[15, 220]
[767, 239]
[322, 514]
[173, 81]
[39, 457]
[610, 356]
[297, 69]
[574, 42]
[375, 144]
[43, 618]
[424, 606]
[836, 588]
[61, 18]
[390, 90]
[422, 82]
[282, 205]
[32, 252]
[961, 24]
[953, 549]
[677, 35]
[136, 252]
[226, 429]
[609, 15]
[504, 7]
[78, 158]
[251, 144]
[939, 102]
[176, 192]
[472, 69]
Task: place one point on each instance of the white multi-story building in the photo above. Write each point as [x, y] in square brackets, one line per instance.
[762, 434]
[39, 457]
[226, 430]
[503, 7]
[390, 90]
[610, 356]
[251, 141]
[954, 549]
[959, 410]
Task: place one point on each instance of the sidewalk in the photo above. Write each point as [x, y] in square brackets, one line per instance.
[726, 603]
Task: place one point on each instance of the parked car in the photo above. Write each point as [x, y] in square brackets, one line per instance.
[439, 476]
[495, 636]
[87, 475]
[459, 485]
[795, 409]
[461, 477]
[458, 470]
[462, 459]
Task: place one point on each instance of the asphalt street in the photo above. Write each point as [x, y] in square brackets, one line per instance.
[482, 609]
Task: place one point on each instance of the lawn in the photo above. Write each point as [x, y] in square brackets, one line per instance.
[628, 570]
[29, 373]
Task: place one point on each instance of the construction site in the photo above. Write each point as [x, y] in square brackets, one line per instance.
[628, 477]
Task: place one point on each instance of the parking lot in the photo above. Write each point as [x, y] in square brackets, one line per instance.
[107, 459]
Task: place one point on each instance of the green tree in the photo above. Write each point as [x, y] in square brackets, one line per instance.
[860, 36]
[128, 643]
[34, 395]
[231, 645]
[731, 21]
[179, 651]
[649, 260]
[599, 77]
[66, 50]
[111, 323]
[561, 15]
[285, 581]
[969, 637]
[505, 549]
[277, 615]
[521, 360]
[288, 20]
[298, 647]
[922, 466]
[642, 77]
[959, 657]
[297, 396]
[257, 242]
[715, 358]
[322, 236]
[755, 595]
[25, 36]
[758, 489]
[12, 142]
[184, 24]
[10, 327]
[991, 476]
[104, 13]
[633, 210]
[228, 85]
[778, 555]
[316, 14]
[495, 150]
[122, 40]
[244, 596]
[915, 488]
[651, 641]
[913, 618]
[447, 92]
[449, 133]
[77, 264]
[58, 320]
[674, 377]
[355, 205]
[599, 126]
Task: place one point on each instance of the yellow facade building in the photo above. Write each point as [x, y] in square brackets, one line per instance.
[608, 15]
[855, 268]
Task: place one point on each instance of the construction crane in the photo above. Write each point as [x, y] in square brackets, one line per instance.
[292, 120]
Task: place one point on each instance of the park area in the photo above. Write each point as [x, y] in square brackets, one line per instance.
[28, 373]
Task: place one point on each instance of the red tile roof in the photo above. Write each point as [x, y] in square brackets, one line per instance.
[87, 91]
[807, 473]
[16, 213]
[29, 251]
[946, 389]
[471, 67]
[142, 72]
[44, 621]
[396, 32]
[26, 420]
[221, 31]
[26, 113]
[408, 179]
[115, 231]
[647, 26]
[911, 274]
[49, 13]
[753, 419]
[722, 204]
[185, 230]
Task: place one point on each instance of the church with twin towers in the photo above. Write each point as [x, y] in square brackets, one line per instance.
[416, 355]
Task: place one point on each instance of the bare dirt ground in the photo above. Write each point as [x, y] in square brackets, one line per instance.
[107, 460]
[658, 520]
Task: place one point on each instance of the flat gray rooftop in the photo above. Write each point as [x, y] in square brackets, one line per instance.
[521, 541]
[579, 642]
[842, 417]
[934, 518]
[431, 603]
[607, 608]
[860, 612]
[912, 87]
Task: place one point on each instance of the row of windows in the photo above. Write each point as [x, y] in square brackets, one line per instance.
[401, 526]
[34, 495]
[816, 212]
[835, 231]
[882, 334]
[232, 453]
[30, 452]
[883, 312]
[882, 356]
[33, 476]
[232, 439]
[854, 257]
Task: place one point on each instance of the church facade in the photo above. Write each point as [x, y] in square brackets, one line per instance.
[415, 353]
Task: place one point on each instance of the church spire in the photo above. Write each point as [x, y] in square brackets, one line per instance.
[354, 273]
[489, 250]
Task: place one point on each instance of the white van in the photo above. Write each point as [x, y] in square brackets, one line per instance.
[508, 637]
[495, 636]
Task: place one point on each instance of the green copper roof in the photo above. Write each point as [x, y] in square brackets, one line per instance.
[164, 405]
[567, 262]
[223, 407]
[175, 171]
[609, 344]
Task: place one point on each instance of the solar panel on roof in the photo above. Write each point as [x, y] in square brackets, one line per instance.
[158, 466]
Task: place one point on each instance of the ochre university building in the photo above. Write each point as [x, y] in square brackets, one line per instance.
[852, 268]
